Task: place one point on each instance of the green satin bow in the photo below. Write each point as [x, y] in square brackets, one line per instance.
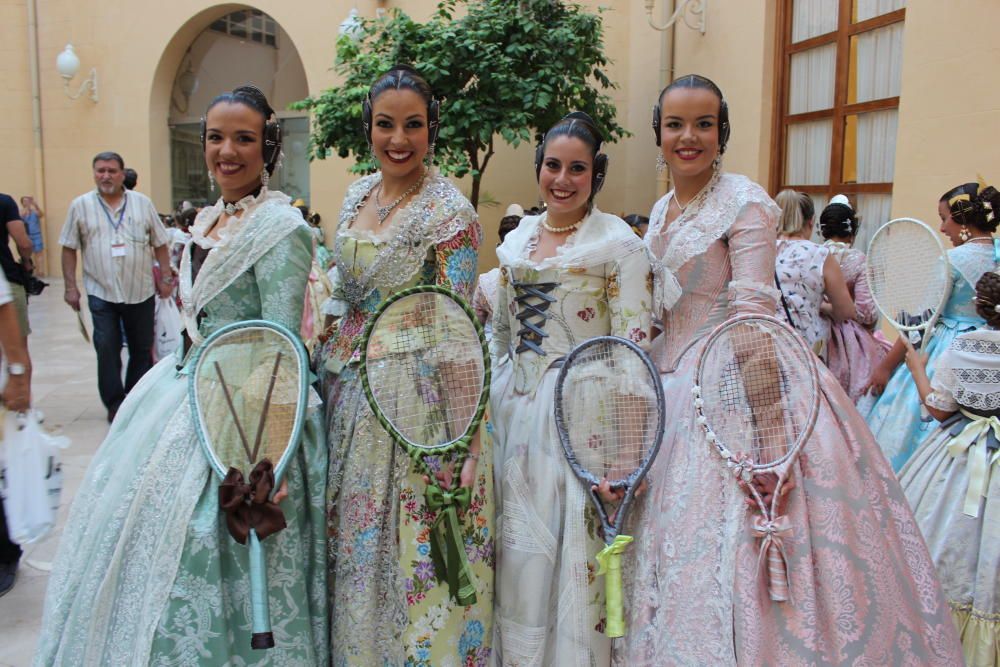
[447, 549]
[980, 462]
[609, 563]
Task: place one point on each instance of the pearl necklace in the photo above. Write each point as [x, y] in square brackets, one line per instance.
[382, 212]
[559, 230]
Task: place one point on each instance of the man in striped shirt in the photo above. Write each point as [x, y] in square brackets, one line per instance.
[118, 234]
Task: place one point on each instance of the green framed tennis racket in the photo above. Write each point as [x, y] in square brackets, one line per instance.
[248, 393]
[425, 369]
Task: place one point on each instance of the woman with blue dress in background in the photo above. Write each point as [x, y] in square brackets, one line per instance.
[896, 418]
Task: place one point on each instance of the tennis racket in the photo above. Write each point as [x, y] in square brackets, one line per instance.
[248, 394]
[425, 369]
[909, 276]
[756, 398]
[609, 414]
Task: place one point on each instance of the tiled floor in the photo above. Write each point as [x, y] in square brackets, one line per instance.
[64, 387]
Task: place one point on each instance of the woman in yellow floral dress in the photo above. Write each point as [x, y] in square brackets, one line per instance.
[403, 226]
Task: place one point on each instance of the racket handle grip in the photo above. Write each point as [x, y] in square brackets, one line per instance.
[262, 637]
[613, 595]
[777, 574]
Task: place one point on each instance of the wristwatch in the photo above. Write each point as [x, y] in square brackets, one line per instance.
[16, 369]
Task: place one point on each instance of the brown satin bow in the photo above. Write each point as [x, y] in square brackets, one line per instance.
[248, 505]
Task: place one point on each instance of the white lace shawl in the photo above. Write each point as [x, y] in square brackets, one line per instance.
[705, 220]
[968, 374]
[268, 220]
[437, 213]
[600, 239]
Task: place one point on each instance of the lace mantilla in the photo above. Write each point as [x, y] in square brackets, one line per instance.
[704, 221]
[210, 214]
[436, 214]
[972, 260]
[262, 227]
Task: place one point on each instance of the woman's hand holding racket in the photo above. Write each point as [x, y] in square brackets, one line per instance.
[609, 414]
[757, 398]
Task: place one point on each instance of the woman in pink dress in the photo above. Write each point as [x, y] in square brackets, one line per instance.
[863, 586]
[855, 346]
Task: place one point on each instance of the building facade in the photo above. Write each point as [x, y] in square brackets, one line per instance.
[891, 102]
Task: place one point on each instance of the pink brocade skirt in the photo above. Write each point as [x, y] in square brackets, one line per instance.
[863, 586]
[852, 353]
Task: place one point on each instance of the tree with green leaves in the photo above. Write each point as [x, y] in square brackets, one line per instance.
[507, 68]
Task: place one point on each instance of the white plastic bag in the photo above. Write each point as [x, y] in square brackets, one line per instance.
[32, 477]
[166, 328]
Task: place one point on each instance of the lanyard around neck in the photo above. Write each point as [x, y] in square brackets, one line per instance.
[121, 215]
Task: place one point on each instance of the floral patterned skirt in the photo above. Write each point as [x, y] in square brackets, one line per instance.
[387, 607]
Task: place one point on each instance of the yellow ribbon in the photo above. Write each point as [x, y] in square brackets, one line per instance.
[609, 563]
[973, 439]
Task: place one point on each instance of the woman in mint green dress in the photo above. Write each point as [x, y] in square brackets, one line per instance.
[147, 572]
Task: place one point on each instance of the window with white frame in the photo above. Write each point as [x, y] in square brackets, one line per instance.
[249, 24]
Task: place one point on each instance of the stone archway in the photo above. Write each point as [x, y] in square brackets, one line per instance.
[223, 46]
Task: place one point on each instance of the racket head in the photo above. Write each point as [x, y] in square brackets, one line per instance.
[908, 273]
[425, 369]
[248, 391]
[757, 392]
[609, 411]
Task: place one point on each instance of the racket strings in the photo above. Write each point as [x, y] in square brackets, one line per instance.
[896, 251]
[248, 391]
[425, 368]
[610, 410]
[753, 384]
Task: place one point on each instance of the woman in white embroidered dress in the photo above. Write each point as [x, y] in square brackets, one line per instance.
[810, 281]
[863, 586]
[567, 275]
[147, 572]
[403, 226]
[952, 480]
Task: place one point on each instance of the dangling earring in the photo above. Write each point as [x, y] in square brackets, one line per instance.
[429, 158]
[211, 182]
[661, 163]
[965, 234]
[717, 163]
[265, 178]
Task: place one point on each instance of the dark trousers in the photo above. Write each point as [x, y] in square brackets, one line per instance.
[110, 319]
[9, 552]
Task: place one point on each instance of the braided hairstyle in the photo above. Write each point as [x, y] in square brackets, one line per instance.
[838, 219]
[402, 77]
[975, 205]
[988, 298]
[581, 126]
[252, 97]
[704, 83]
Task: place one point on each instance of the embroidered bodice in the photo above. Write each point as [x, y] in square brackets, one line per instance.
[720, 252]
[967, 375]
[432, 240]
[598, 284]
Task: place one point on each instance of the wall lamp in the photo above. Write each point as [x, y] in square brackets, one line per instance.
[68, 65]
[697, 9]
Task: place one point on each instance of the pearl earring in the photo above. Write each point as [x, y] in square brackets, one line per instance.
[661, 163]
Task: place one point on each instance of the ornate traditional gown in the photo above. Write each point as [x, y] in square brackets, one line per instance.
[855, 348]
[953, 485]
[147, 572]
[550, 604]
[387, 607]
[863, 586]
[896, 419]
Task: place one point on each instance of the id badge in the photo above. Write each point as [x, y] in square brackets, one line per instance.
[118, 249]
